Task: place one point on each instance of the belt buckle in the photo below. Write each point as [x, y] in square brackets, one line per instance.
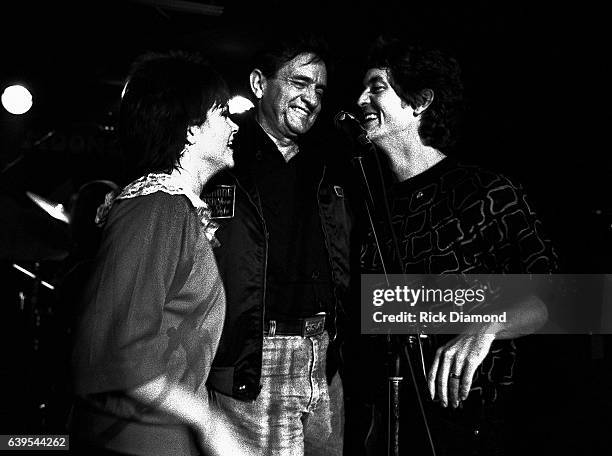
[312, 326]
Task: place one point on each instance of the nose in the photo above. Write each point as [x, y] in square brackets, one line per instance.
[363, 99]
[232, 125]
[311, 97]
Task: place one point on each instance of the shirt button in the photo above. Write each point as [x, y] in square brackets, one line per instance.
[241, 387]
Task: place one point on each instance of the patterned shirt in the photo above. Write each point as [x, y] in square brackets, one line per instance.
[455, 218]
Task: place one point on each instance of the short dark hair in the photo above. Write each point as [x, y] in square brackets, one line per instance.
[412, 69]
[85, 233]
[164, 95]
[285, 45]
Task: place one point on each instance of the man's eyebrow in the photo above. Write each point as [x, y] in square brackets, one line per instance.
[374, 79]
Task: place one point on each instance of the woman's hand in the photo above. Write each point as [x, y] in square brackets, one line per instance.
[216, 437]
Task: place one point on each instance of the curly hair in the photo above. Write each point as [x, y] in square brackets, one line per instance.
[164, 95]
[412, 69]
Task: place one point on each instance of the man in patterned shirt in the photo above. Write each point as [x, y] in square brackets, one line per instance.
[451, 218]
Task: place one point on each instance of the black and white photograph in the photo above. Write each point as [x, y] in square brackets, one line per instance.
[305, 228]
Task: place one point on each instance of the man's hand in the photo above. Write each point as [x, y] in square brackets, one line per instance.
[453, 368]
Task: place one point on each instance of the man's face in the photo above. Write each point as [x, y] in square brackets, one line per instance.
[291, 100]
[384, 113]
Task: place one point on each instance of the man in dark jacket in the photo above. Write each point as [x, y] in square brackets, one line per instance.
[284, 259]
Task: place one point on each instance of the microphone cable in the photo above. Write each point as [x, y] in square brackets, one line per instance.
[397, 254]
[363, 141]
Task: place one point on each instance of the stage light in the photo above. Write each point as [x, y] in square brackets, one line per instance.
[33, 276]
[16, 99]
[239, 104]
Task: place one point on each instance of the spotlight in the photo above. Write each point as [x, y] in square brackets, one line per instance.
[239, 104]
[16, 99]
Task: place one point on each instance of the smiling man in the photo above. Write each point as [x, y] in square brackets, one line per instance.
[283, 257]
[450, 217]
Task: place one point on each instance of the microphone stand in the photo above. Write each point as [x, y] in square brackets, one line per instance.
[393, 343]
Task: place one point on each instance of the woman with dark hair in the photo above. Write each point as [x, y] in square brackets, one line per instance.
[152, 312]
[451, 218]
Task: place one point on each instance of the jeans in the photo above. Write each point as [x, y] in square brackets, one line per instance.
[297, 412]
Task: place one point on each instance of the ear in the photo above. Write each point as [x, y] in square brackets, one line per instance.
[427, 95]
[191, 132]
[258, 83]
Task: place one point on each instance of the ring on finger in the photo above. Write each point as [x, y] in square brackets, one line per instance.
[455, 376]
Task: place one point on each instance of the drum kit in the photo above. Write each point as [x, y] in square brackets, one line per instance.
[34, 244]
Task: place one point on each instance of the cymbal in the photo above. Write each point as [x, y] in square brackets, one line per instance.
[55, 210]
[31, 235]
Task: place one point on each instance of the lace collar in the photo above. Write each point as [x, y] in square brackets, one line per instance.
[160, 182]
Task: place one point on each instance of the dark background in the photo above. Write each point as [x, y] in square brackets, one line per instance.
[532, 73]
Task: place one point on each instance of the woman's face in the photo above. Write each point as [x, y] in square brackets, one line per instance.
[213, 139]
[384, 113]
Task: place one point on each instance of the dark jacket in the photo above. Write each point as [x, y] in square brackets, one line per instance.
[242, 260]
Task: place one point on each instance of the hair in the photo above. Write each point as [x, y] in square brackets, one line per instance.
[283, 47]
[412, 69]
[164, 95]
[86, 234]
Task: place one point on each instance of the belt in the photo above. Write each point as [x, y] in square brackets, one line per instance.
[311, 326]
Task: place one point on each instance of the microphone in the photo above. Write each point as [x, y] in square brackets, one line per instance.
[352, 128]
